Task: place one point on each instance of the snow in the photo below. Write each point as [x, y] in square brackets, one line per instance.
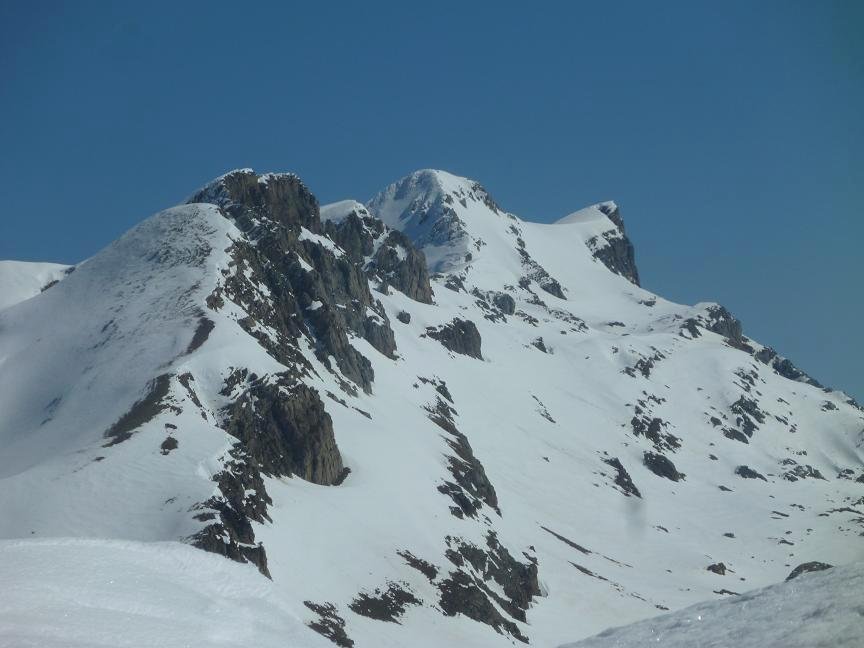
[339, 211]
[814, 609]
[74, 359]
[306, 235]
[21, 280]
[92, 593]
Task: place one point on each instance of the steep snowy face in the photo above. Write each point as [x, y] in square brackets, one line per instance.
[441, 213]
[521, 446]
[603, 230]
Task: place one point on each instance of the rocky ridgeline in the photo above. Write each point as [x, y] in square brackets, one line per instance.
[615, 250]
[295, 279]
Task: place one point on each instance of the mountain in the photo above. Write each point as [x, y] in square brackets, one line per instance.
[415, 421]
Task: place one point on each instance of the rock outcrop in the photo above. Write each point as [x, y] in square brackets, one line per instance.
[459, 336]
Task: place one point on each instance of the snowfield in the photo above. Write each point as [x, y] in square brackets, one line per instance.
[820, 610]
[21, 280]
[86, 593]
[518, 445]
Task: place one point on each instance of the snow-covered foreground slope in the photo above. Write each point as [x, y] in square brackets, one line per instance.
[525, 446]
[83, 593]
[21, 280]
[812, 611]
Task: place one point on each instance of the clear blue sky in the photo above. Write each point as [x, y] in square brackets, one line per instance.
[731, 133]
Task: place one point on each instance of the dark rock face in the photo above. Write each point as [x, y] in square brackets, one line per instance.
[329, 624]
[316, 289]
[746, 411]
[426, 568]
[504, 302]
[748, 473]
[141, 412]
[798, 471]
[396, 261]
[717, 568]
[247, 197]
[404, 317]
[459, 336]
[466, 591]
[399, 264]
[722, 322]
[356, 234]
[784, 367]
[804, 568]
[168, 445]
[387, 604]
[661, 466]
[534, 271]
[470, 488]
[622, 478]
[653, 428]
[285, 429]
[242, 498]
[617, 253]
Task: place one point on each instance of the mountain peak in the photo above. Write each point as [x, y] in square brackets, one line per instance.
[434, 209]
[246, 195]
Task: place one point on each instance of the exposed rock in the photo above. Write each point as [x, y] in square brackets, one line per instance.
[463, 594]
[245, 196]
[748, 473]
[622, 478]
[800, 472]
[141, 412]
[784, 367]
[329, 623]
[168, 445]
[398, 263]
[465, 590]
[280, 219]
[404, 317]
[459, 336]
[804, 568]
[538, 343]
[653, 427]
[384, 605]
[355, 234]
[615, 251]
[202, 332]
[471, 487]
[242, 498]
[747, 410]
[426, 568]
[721, 321]
[285, 428]
[661, 466]
[504, 302]
[717, 568]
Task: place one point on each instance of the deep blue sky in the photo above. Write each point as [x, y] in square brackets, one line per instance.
[731, 133]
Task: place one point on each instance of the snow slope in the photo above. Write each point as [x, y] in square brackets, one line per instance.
[83, 593]
[540, 451]
[821, 609]
[20, 280]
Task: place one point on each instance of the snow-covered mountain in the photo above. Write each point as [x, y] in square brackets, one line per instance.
[426, 421]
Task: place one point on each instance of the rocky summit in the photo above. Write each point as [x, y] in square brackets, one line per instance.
[415, 421]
